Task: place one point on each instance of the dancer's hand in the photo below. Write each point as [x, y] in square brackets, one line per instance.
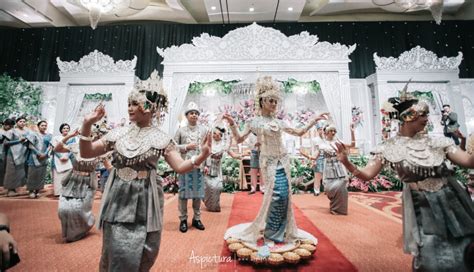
[6, 242]
[206, 145]
[323, 116]
[229, 119]
[73, 133]
[96, 115]
[206, 170]
[342, 151]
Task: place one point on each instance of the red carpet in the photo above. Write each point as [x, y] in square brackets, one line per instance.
[326, 258]
[388, 203]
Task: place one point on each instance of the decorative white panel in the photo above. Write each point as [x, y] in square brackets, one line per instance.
[419, 59]
[255, 42]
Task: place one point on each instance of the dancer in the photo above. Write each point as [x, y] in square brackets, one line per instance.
[77, 193]
[213, 169]
[275, 217]
[131, 214]
[317, 157]
[191, 184]
[40, 147]
[7, 125]
[438, 215]
[16, 144]
[61, 162]
[334, 174]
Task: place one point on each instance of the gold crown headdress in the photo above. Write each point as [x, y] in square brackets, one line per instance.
[151, 94]
[265, 87]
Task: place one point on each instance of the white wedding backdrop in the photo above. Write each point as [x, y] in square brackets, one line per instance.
[430, 75]
[252, 51]
[95, 73]
[248, 52]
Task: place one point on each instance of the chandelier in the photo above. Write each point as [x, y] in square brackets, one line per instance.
[434, 6]
[97, 8]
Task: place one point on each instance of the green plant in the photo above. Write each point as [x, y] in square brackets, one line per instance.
[230, 173]
[301, 174]
[11, 90]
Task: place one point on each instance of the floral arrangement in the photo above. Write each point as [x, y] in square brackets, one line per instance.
[302, 117]
[386, 180]
[204, 118]
[241, 113]
[170, 178]
[357, 117]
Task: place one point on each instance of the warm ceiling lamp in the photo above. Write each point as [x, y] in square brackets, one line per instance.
[435, 6]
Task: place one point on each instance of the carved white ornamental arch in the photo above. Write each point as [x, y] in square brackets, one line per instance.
[427, 72]
[94, 73]
[247, 51]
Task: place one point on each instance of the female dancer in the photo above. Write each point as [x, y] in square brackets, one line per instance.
[275, 217]
[334, 174]
[438, 215]
[77, 193]
[213, 170]
[131, 213]
[16, 144]
[40, 147]
[61, 162]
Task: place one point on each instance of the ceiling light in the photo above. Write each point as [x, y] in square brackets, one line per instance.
[290, 9]
[213, 7]
[251, 9]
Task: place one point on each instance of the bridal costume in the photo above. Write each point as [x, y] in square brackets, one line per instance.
[275, 217]
[438, 214]
[77, 196]
[131, 214]
[39, 144]
[334, 177]
[214, 181]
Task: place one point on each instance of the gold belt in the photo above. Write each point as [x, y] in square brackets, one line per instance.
[429, 184]
[128, 174]
[80, 173]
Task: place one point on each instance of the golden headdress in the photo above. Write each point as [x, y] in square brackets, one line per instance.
[264, 88]
[150, 94]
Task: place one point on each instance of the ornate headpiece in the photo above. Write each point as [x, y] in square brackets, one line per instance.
[406, 107]
[150, 94]
[192, 107]
[329, 127]
[264, 88]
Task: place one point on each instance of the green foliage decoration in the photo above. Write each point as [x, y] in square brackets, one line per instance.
[19, 98]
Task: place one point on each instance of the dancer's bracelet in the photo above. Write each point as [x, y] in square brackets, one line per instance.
[87, 139]
[193, 161]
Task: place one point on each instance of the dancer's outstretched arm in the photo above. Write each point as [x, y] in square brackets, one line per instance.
[239, 138]
[372, 168]
[301, 131]
[89, 149]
